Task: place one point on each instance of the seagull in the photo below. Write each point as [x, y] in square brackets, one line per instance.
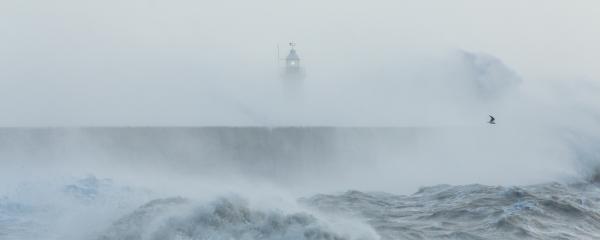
[492, 120]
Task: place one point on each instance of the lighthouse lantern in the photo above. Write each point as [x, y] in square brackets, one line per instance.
[292, 61]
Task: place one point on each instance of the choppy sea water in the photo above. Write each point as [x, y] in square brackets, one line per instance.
[93, 208]
[133, 196]
[546, 211]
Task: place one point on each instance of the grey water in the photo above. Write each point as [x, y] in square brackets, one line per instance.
[292, 183]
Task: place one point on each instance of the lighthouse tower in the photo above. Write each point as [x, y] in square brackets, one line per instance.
[292, 61]
[293, 70]
[292, 74]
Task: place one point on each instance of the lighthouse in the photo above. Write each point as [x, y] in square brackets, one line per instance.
[292, 74]
[292, 61]
[293, 70]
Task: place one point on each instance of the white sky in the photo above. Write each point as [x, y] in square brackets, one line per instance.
[185, 62]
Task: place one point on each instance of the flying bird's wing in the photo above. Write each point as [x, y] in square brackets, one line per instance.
[491, 118]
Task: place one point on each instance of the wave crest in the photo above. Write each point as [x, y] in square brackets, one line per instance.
[226, 218]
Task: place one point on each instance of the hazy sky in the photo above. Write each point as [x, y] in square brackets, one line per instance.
[184, 62]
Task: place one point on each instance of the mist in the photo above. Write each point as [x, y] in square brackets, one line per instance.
[187, 98]
[153, 63]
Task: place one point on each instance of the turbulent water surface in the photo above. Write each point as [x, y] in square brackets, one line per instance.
[546, 211]
[195, 197]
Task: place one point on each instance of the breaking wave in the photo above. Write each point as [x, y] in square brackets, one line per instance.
[209, 207]
[94, 208]
[544, 211]
[226, 218]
